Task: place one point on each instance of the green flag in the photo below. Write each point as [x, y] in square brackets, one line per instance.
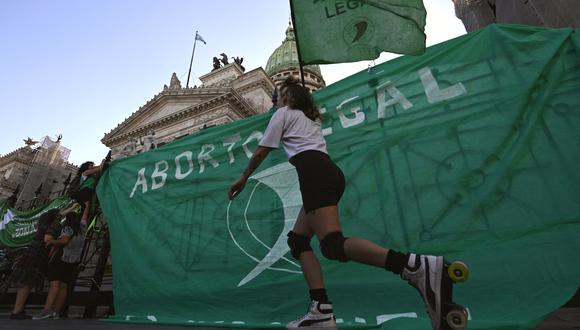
[469, 151]
[17, 228]
[335, 31]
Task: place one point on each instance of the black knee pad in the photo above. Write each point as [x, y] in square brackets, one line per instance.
[332, 246]
[298, 244]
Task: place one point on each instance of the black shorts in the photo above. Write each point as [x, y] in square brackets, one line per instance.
[321, 181]
[85, 195]
[59, 270]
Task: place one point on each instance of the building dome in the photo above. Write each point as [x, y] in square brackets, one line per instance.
[284, 62]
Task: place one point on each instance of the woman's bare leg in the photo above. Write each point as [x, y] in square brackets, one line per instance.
[366, 252]
[308, 260]
[86, 211]
[53, 289]
[325, 220]
[21, 296]
[60, 298]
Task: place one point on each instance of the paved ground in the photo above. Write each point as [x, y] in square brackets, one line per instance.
[85, 325]
[562, 319]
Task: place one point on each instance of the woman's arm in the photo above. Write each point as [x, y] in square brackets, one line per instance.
[257, 158]
[95, 169]
[48, 238]
[65, 234]
[62, 241]
[68, 210]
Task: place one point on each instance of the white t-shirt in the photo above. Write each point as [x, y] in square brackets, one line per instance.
[296, 132]
[71, 253]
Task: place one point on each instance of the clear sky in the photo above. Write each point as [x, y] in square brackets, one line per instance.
[79, 68]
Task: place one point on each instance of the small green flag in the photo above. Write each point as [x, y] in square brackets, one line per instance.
[335, 31]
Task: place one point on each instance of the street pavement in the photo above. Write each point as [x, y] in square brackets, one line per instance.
[566, 318]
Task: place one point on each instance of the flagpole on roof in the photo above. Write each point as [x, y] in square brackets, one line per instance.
[297, 44]
[191, 62]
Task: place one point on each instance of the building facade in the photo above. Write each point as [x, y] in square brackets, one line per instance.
[35, 174]
[39, 172]
[476, 14]
[227, 93]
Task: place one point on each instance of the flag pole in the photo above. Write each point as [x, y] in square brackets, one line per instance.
[191, 62]
[297, 44]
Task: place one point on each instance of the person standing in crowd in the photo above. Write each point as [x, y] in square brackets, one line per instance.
[88, 176]
[31, 267]
[63, 264]
[297, 126]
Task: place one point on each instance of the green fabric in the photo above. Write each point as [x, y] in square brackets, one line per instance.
[17, 228]
[90, 182]
[476, 160]
[335, 31]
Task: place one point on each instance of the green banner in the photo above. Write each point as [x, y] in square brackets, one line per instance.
[468, 151]
[336, 31]
[18, 227]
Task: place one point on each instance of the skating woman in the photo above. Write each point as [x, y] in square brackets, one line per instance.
[297, 126]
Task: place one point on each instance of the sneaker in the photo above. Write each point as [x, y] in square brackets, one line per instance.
[20, 316]
[319, 316]
[44, 314]
[425, 273]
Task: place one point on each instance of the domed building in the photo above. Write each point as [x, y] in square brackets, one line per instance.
[227, 93]
[284, 62]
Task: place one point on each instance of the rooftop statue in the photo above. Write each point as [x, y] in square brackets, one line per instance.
[216, 64]
[30, 142]
[130, 147]
[149, 142]
[224, 58]
[238, 61]
[174, 83]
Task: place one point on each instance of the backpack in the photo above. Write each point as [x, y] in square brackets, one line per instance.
[74, 187]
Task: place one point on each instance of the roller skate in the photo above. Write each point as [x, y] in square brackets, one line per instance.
[434, 278]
